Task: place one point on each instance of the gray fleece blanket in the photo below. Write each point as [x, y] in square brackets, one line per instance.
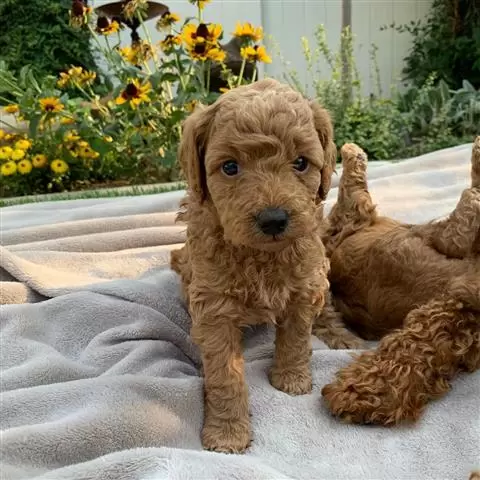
[100, 379]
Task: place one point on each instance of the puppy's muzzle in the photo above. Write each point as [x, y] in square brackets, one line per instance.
[272, 221]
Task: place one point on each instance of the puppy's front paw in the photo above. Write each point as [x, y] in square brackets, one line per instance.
[226, 436]
[294, 382]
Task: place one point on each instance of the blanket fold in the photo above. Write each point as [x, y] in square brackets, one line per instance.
[100, 379]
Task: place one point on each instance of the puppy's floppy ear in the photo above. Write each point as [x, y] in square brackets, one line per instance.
[324, 128]
[191, 153]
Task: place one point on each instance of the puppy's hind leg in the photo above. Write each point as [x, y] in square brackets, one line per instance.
[354, 208]
[458, 236]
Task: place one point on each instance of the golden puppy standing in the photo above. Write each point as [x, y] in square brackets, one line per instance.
[258, 163]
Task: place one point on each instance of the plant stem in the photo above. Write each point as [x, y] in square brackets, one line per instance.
[254, 76]
[242, 69]
[208, 76]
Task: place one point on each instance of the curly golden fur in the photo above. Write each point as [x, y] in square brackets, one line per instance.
[234, 274]
[417, 284]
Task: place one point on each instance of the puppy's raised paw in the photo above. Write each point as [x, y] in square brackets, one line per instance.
[226, 436]
[291, 381]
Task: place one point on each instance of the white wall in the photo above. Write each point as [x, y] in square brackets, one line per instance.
[288, 20]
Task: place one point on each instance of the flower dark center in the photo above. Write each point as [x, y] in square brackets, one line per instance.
[77, 8]
[202, 31]
[130, 91]
[102, 22]
[200, 48]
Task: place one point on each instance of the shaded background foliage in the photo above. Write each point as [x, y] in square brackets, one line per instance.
[37, 33]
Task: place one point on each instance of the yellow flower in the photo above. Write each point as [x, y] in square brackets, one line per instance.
[67, 121]
[12, 108]
[134, 93]
[84, 150]
[3, 133]
[39, 160]
[190, 106]
[247, 31]
[192, 34]
[166, 21]
[23, 144]
[8, 168]
[5, 153]
[108, 138]
[200, 3]
[106, 27]
[255, 54]
[71, 136]
[76, 76]
[141, 52]
[216, 54]
[169, 42]
[24, 167]
[51, 105]
[59, 166]
[17, 154]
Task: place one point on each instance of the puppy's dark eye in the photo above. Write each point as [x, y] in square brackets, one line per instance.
[230, 168]
[300, 164]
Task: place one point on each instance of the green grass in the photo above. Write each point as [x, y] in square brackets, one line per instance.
[132, 191]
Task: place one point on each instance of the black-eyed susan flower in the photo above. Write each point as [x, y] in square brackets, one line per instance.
[256, 53]
[194, 34]
[12, 108]
[8, 168]
[39, 160]
[200, 3]
[106, 27]
[51, 105]
[23, 144]
[84, 150]
[166, 21]
[59, 166]
[247, 32]
[134, 93]
[76, 76]
[24, 167]
[79, 13]
[140, 53]
[170, 42]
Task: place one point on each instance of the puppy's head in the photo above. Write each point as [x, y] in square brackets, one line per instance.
[262, 157]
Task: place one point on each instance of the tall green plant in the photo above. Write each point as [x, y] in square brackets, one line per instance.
[446, 43]
[37, 33]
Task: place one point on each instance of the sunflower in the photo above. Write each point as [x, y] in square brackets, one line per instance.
[192, 34]
[23, 144]
[12, 108]
[247, 31]
[8, 168]
[200, 3]
[5, 153]
[51, 105]
[166, 21]
[24, 167]
[169, 42]
[39, 160]
[106, 27]
[256, 53]
[59, 166]
[134, 93]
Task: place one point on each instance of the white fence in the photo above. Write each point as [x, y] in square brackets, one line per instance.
[289, 20]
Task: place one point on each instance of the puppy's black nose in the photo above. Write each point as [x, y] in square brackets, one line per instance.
[272, 221]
